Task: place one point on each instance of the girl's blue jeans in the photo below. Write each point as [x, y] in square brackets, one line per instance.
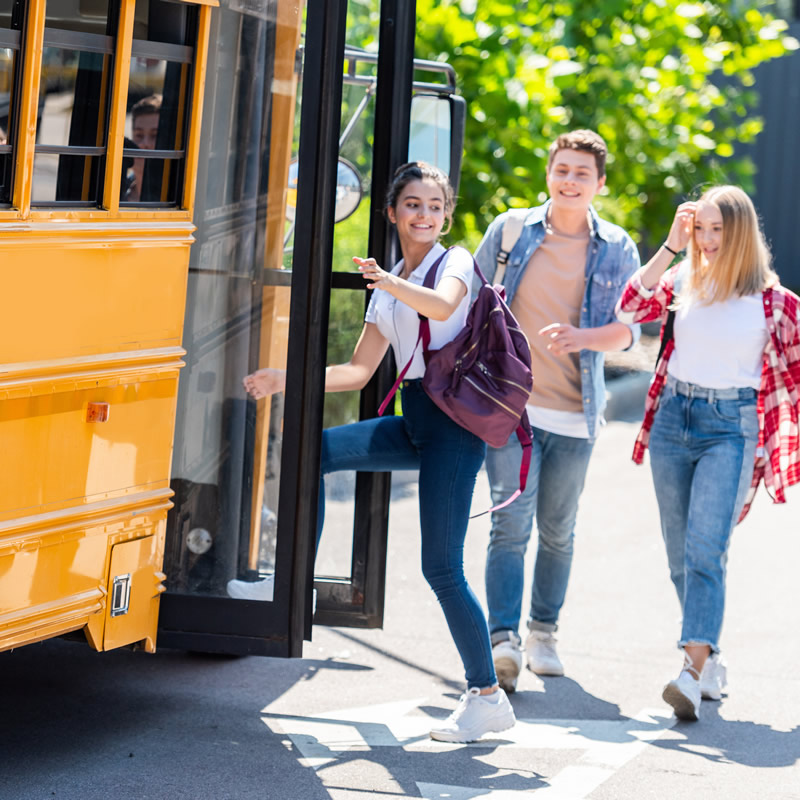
[448, 458]
[702, 450]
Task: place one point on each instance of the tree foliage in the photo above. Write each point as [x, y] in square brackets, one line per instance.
[667, 83]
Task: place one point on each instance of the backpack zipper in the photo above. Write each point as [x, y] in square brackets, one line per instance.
[485, 370]
[490, 396]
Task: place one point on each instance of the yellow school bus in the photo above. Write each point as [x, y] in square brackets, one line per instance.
[146, 155]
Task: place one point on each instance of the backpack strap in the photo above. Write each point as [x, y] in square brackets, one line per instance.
[512, 230]
[424, 331]
[525, 437]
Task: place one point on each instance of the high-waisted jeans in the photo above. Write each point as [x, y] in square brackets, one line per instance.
[448, 458]
[702, 451]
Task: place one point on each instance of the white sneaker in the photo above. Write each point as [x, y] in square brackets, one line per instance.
[507, 659]
[247, 590]
[475, 715]
[713, 678]
[540, 650]
[683, 694]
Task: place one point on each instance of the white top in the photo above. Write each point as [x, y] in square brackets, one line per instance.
[399, 323]
[720, 346]
[564, 423]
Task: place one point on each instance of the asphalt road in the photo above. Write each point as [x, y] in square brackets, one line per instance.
[350, 719]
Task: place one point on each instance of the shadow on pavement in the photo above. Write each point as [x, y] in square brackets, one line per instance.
[750, 744]
[76, 724]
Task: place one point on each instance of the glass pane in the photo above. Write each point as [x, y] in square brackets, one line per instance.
[160, 21]
[75, 86]
[429, 135]
[90, 16]
[152, 180]
[6, 86]
[58, 178]
[347, 307]
[230, 317]
[6, 13]
[5, 178]
[158, 98]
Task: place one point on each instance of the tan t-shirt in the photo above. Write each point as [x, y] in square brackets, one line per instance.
[551, 290]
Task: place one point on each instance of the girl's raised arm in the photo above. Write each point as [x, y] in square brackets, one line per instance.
[436, 304]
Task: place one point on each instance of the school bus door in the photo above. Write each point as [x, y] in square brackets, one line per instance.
[246, 473]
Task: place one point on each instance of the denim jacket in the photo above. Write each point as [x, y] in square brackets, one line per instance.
[611, 260]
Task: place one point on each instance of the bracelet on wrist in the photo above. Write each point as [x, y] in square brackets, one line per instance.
[670, 250]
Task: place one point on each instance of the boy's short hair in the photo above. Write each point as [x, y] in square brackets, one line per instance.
[584, 140]
[147, 105]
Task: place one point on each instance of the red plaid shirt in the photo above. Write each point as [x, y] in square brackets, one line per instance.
[778, 452]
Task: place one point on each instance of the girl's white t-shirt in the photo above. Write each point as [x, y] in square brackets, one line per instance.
[399, 323]
[721, 345]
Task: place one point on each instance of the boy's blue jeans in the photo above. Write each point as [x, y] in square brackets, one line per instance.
[702, 450]
[555, 482]
[448, 458]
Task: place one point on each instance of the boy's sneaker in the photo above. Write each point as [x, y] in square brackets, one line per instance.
[252, 590]
[507, 659]
[540, 650]
[683, 694]
[713, 678]
[475, 715]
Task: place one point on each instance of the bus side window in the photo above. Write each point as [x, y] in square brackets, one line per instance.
[159, 93]
[10, 26]
[75, 90]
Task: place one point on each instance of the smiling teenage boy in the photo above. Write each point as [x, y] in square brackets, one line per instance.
[562, 278]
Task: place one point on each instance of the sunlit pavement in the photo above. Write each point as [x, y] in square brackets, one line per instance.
[351, 719]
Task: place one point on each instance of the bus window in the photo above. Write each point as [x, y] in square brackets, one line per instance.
[75, 87]
[9, 57]
[158, 103]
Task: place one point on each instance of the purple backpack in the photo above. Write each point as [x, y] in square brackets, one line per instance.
[481, 379]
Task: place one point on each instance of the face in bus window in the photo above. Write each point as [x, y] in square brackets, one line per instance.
[145, 131]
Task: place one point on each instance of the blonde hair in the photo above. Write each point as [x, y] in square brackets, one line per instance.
[743, 265]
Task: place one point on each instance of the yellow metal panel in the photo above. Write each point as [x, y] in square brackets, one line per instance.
[59, 456]
[29, 105]
[55, 565]
[198, 91]
[98, 289]
[119, 99]
[136, 572]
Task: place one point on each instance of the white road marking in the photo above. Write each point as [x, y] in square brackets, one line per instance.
[607, 745]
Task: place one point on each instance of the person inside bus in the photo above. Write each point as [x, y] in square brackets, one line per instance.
[721, 413]
[419, 202]
[145, 116]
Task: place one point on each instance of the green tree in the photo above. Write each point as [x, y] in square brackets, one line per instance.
[667, 83]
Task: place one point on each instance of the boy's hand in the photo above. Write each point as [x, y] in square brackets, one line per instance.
[564, 338]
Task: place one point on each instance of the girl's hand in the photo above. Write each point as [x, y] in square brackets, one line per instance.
[680, 234]
[265, 382]
[370, 271]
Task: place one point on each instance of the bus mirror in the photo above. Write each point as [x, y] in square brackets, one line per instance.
[436, 133]
[349, 190]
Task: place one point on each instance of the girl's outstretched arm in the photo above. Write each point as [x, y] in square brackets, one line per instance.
[354, 375]
[437, 304]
